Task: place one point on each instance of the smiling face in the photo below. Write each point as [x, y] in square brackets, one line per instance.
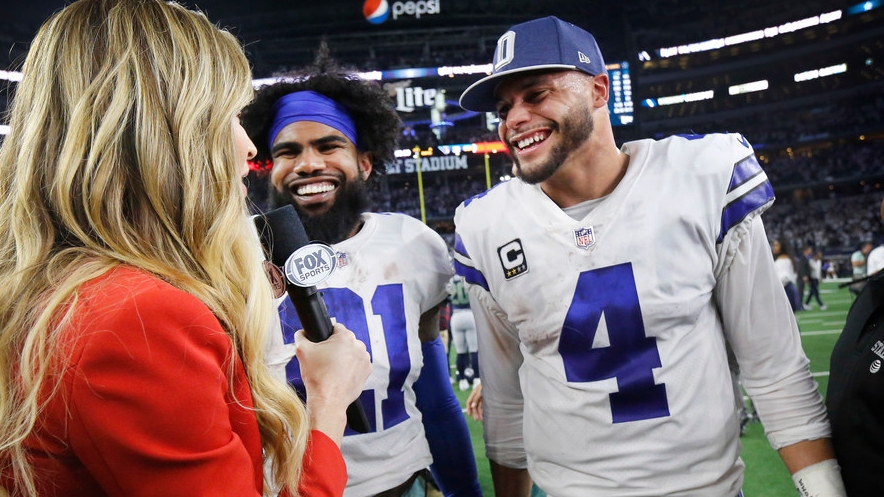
[544, 119]
[311, 162]
[322, 175]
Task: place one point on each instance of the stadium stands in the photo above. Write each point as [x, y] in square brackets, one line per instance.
[803, 81]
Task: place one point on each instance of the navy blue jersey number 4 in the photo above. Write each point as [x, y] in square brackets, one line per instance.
[631, 355]
[347, 307]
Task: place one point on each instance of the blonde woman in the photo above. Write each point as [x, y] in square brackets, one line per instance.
[133, 321]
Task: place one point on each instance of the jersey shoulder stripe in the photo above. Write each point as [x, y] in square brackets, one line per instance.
[749, 191]
[728, 160]
[463, 265]
[477, 196]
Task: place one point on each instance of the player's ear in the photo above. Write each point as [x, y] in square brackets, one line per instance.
[600, 90]
[363, 161]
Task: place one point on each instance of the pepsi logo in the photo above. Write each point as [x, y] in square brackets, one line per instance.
[376, 11]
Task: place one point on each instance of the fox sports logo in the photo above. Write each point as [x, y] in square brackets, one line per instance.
[376, 11]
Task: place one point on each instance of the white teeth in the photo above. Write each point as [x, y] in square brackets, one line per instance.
[314, 188]
[535, 138]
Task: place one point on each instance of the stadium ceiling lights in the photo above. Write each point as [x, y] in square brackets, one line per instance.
[770, 32]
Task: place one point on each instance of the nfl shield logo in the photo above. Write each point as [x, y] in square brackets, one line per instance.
[341, 259]
[584, 237]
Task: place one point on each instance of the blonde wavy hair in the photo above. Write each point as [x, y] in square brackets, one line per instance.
[121, 152]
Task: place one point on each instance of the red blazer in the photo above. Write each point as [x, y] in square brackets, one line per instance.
[145, 406]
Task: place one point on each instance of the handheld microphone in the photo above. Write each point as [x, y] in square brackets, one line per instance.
[305, 264]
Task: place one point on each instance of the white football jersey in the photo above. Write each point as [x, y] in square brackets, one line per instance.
[391, 272]
[601, 341]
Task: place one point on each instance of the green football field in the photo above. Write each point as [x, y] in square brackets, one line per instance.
[766, 476]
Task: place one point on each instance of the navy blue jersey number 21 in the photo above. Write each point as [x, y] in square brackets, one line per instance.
[631, 355]
[347, 307]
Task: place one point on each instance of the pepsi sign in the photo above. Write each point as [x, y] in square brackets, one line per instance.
[378, 11]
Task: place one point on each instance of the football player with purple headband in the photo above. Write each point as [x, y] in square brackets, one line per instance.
[328, 133]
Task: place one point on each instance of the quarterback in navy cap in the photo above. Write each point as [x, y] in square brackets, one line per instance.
[607, 282]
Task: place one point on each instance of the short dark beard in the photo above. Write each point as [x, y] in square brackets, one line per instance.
[576, 128]
[337, 223]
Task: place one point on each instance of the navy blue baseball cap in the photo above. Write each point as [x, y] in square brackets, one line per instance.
[548, 43]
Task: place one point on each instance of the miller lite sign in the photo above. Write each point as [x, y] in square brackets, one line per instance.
[584, 237]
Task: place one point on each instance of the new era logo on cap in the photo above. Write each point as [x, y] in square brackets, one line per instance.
[542, 44]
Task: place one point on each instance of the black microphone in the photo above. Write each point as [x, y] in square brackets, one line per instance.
[283, 234]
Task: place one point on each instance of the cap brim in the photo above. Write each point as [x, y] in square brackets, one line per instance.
[479, 96]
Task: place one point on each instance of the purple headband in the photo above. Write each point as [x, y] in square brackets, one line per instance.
[311, 106]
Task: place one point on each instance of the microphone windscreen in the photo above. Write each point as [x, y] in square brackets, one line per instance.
[281, 232]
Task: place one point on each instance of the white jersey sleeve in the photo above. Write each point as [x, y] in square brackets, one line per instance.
[502, 411]
[608, 325]
[761, 328]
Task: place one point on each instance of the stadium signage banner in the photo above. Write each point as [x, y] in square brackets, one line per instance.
[410, 98]
[428, 164]
[378, 11]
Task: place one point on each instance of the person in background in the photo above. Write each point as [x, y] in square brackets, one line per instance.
[135, 311]
[858, 260]
[831, 269]
[606, 283]
[784, 262]
[802, 270]
[855, 393]
[875, 260]
[328, 133]
[463, 334]
[815, 262]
